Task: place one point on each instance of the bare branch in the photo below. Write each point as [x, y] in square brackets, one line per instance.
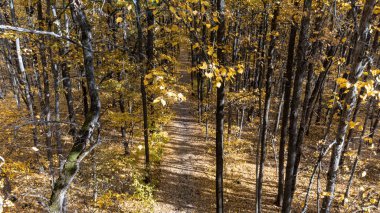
[39, 32]
[2, 161]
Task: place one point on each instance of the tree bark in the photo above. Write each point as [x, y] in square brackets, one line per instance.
[45, 104]
[359, 62]
[268, 95]
[286, 109]
[302, 49]
[221, 7]
[78, 151]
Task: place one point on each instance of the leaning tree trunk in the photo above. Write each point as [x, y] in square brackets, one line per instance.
[359, 62]
[78, 151]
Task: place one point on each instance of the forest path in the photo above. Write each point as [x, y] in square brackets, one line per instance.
[185, 185]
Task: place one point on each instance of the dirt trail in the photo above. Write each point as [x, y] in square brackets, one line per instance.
[185, 184]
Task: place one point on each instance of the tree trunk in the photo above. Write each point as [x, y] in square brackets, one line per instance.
[305, 112]
[78, 151]
[45, 104]
[66, 81]
[221, 5]
[122, 110]
[286, 109]
[268, 95]
[355, 164]
[358, 65]
[150, 62]
[303, 47]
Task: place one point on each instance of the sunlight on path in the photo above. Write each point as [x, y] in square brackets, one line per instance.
[186, 185]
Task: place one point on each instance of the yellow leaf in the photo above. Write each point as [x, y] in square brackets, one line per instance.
[203, 66]
[210, 51]
[215, 28]
[375, 72]
[343, 83]
[240, 69]
[231, 72]
[170, 94]
[156, 100]
[175, 28]
[149, 76]
[209, 74]
[223, 71]
[215, 18]
[163, 102]
[218, 84]
[326, 194]
[376, 11]
[172, 9]
[352, 124]
[119, 20]
[181, 97]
